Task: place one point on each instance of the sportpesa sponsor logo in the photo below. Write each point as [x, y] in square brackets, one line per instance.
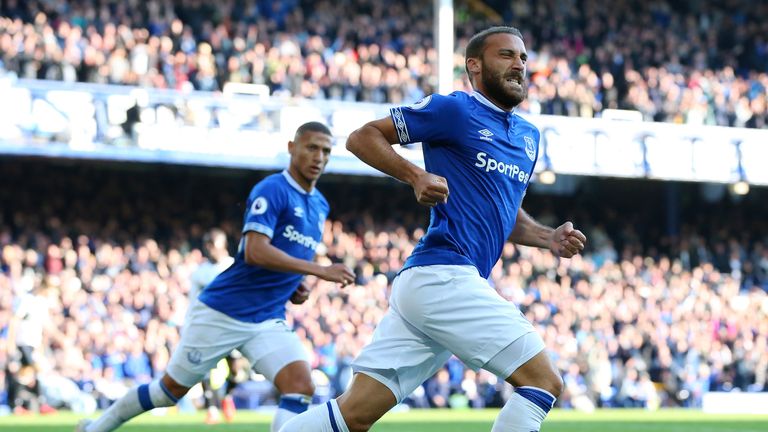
[490, 164]
[292, 235]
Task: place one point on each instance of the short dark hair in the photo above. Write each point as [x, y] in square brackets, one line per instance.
[312, 126]
[476, 45]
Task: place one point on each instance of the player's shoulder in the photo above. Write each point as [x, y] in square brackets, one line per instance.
[458, 98]
[269, 193]
[437, 101]
[271, 182]
[277, 178]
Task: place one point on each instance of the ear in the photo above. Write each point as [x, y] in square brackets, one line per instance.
[291, 146]
[474, 65]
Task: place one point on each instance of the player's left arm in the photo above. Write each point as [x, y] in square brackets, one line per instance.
[564, 241]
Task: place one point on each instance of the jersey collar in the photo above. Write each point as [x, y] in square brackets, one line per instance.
[484, 100]
[294, 184]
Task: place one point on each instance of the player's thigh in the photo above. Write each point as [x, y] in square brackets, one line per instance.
[528, 365]
[207, 338]
[400, 356]
[524, 362]
[272, 347]
[459, 310]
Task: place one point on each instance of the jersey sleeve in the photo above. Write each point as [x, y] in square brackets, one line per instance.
[265, 204]
[433, 118]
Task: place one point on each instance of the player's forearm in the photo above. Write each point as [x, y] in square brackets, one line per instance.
[272, 258]
[371, 146]
[528, 232]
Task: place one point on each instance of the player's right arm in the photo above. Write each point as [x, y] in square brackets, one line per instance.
[266, 204]
[260, 252]
[373, 142]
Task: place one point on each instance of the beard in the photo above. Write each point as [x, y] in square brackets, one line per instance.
[499, 89]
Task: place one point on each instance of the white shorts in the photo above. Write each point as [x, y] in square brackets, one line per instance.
[210, 335]
[438, 310]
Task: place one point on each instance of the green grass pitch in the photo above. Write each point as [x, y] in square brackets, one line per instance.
[432, 421]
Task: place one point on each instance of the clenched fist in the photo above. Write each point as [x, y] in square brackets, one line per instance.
[338, 273]
[301, 294]
[430, 189]
[567, 241]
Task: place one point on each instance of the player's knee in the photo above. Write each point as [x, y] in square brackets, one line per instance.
[550, 381]
[177, 390]
[358, 423]
[306, 388]
[300, 386]
[554, 385]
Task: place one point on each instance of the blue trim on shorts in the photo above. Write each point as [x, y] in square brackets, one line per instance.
[168, 393]
[294, 404]
[144, 400]
[538, 397]
[333, 418]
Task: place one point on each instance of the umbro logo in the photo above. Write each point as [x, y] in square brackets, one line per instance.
[298, 212]
[486, 134]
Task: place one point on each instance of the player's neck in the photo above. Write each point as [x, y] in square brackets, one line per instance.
[301, 180]
[482, 93]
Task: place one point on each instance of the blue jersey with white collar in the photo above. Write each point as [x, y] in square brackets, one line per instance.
[487, 155]
[280, 209]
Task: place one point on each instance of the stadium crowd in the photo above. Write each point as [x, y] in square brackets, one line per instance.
[682, 62]
[95, 270]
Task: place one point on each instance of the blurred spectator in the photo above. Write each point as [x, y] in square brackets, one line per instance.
[673, 62]
[644, 318]
[439, 390]
[576, 390]
[28, 327]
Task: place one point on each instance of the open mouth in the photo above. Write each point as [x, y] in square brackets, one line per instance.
[515, 81]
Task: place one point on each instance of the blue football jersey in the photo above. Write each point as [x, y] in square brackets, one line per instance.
[280, 209]
[487, 155]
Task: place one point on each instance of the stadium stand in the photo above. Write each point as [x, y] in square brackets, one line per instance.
[681, 62]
